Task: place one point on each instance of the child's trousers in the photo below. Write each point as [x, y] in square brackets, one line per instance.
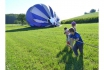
[76, 47]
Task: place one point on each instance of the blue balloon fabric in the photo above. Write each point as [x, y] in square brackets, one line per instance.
[41, 15]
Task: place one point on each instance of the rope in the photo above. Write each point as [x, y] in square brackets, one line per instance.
[88, 44]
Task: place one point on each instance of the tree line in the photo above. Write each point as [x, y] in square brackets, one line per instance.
[15, 19]
[20, 18]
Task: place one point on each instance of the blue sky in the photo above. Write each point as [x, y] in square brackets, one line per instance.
[63, 8]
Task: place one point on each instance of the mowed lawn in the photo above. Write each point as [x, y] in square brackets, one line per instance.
[45, 48]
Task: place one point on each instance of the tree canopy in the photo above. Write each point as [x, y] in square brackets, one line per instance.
[21, 17]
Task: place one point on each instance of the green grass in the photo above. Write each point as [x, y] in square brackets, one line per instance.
[86, 18]
[45, 48]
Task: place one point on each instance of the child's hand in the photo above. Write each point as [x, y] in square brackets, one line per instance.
[70, 46]
[68, 43]
[76, 39]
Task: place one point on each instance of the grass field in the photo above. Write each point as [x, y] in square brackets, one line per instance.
[45, 48]
[86, 18]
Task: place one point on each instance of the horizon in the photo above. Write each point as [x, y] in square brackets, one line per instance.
[64, 9]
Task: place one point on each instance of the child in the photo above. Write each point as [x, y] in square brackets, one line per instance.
[66, 31]
[73, 24]
[78, 41]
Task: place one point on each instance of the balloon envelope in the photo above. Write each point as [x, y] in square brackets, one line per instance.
[41, 15]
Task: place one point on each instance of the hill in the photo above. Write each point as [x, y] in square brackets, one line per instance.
[87, 18]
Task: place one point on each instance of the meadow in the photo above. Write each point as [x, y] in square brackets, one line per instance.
[45, 48]
[86, 18]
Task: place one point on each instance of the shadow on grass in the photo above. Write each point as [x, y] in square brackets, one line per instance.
[27, 29]
[71, 63]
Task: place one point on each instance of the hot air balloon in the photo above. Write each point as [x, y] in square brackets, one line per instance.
[41, 15]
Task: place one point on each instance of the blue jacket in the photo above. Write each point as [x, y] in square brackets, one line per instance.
[75, 36]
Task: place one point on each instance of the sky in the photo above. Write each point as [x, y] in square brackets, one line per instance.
[64, 8]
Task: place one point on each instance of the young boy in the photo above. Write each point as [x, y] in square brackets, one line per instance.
[73, 24]
[79, 42]
[66, 31]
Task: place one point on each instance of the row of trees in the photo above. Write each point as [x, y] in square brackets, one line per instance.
[10, 18]
[15, 19]
[20, 18]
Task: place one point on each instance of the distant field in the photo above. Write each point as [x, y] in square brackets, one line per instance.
[45, 48]
[86, 18]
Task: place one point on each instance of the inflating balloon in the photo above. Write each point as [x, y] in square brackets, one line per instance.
[41, 15]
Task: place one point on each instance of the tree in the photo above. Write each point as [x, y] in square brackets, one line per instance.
[21, 17]
[17, 22]
[92, 10]
[85, 13]
[25, 22]
[10, 18]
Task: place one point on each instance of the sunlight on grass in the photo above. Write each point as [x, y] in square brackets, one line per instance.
[45, 48]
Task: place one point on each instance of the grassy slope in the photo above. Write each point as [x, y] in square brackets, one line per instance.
[87, 18]
[87, 15]
[44, 49]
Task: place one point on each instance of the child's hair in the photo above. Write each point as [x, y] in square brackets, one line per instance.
[71, 30]
[73, 23]
[65, 28]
